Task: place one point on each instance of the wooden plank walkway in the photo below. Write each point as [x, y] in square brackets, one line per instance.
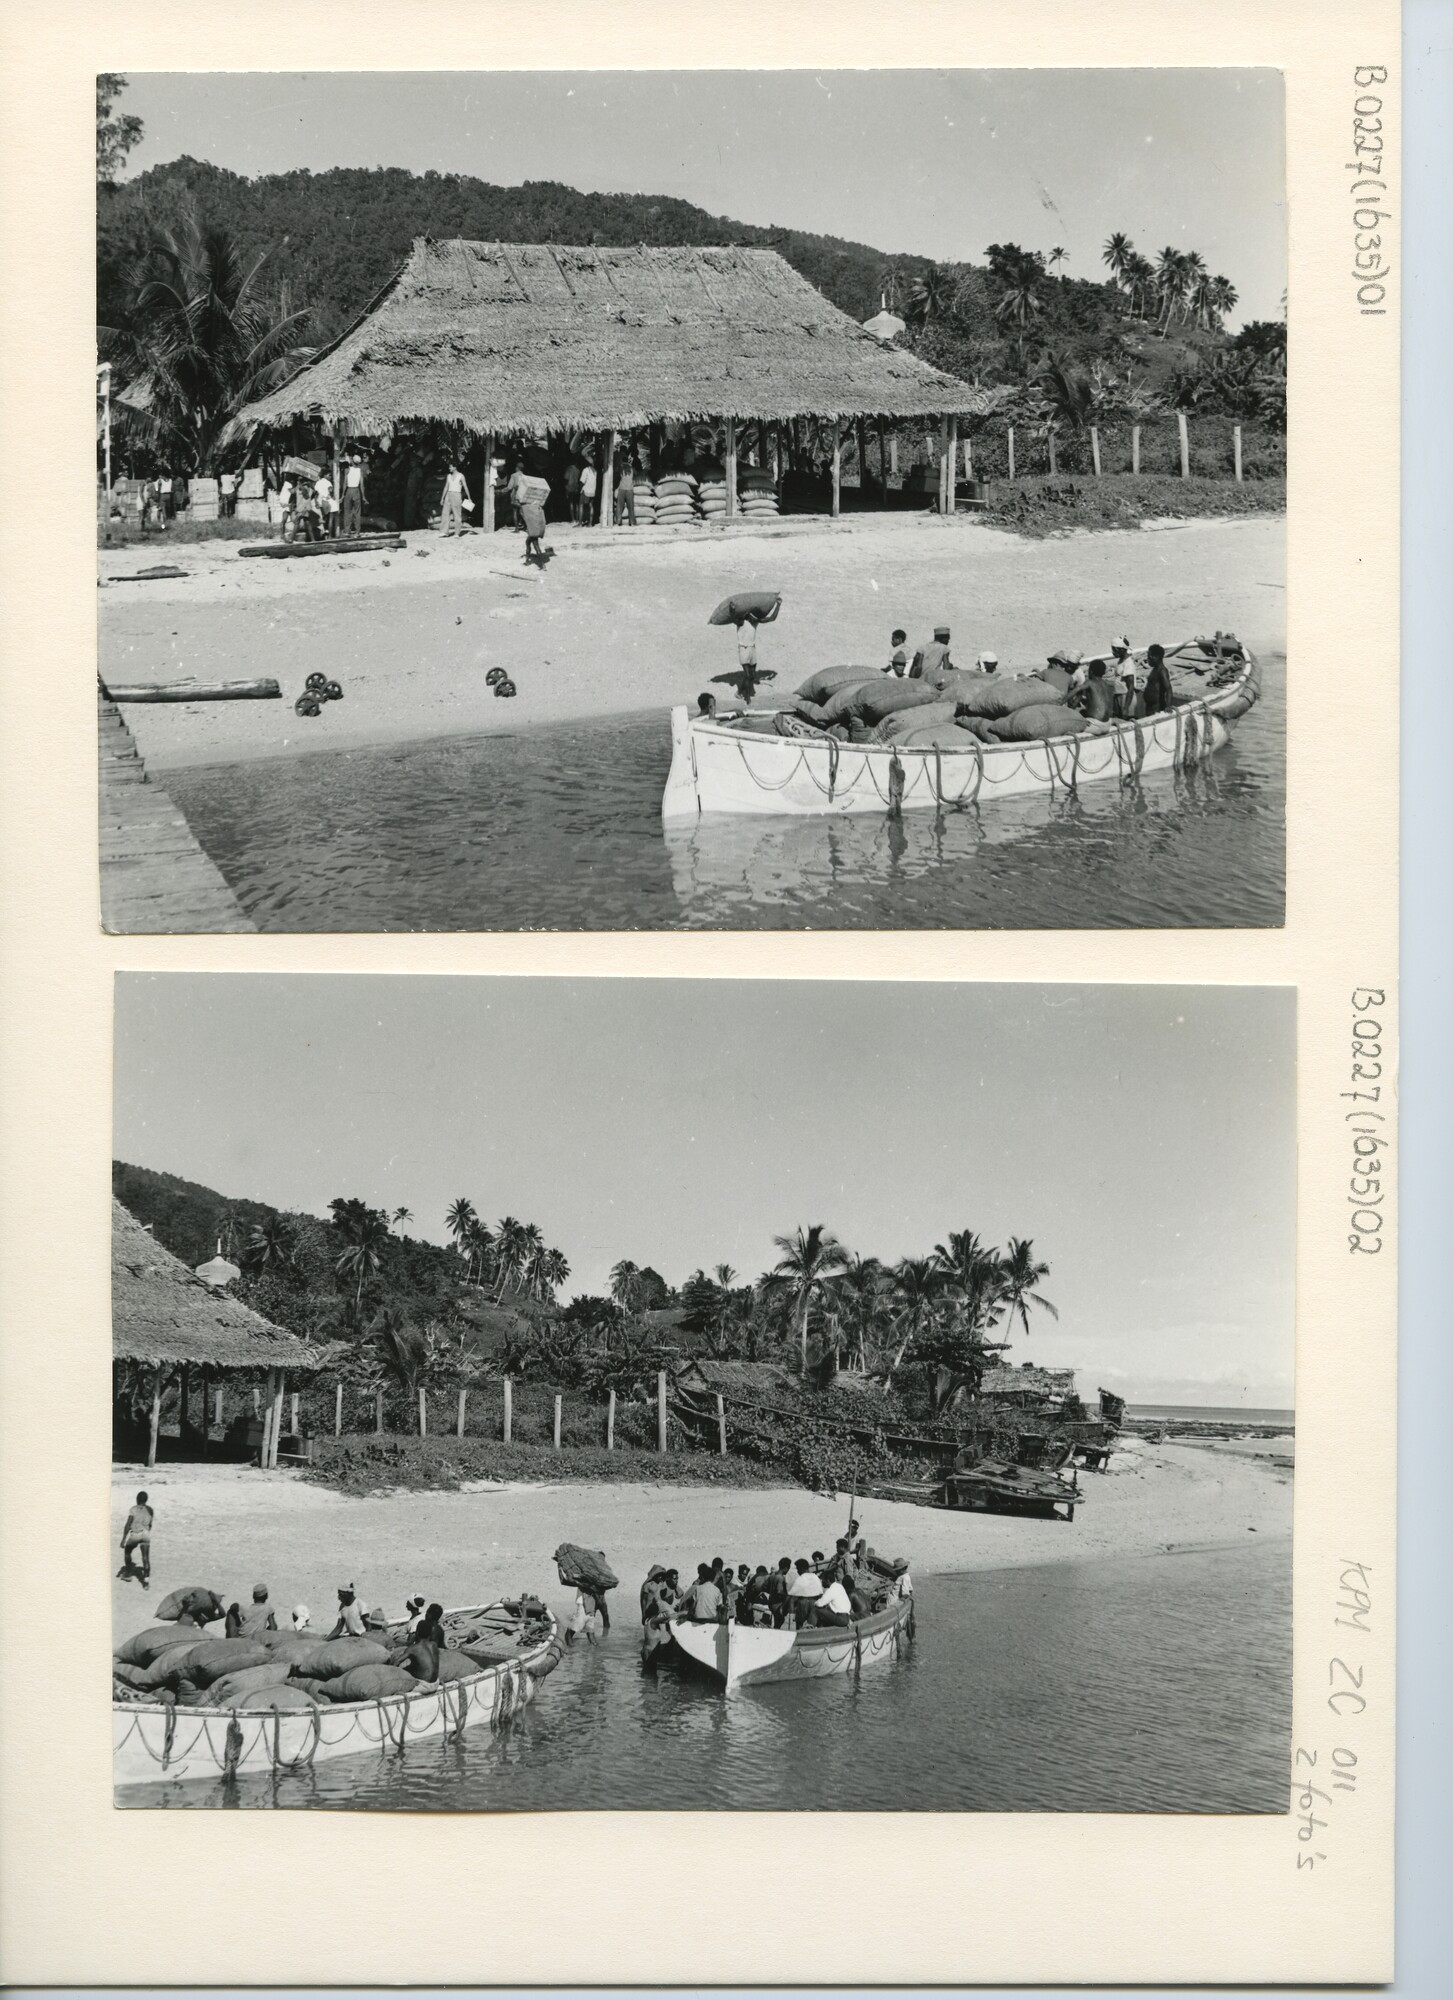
[155, 877]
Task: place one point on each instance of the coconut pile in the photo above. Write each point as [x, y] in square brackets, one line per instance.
[176, 1663]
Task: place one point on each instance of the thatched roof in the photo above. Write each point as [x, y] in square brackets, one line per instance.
[744, 1377]
[1028, 1381]
[527, 337]
[162, 1312]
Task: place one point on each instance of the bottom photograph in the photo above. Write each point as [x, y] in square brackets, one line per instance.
[598, 1394]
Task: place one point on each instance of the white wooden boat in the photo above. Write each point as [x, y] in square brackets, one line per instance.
[737, 764]
[153, 1742]
[748, 1655]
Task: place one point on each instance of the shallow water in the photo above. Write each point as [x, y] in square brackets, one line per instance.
[560, 828]
[1158, 1684]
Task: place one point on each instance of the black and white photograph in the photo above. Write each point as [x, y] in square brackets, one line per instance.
[546, 1394]
[847, 500]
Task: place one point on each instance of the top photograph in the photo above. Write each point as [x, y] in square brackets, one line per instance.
[842, 500]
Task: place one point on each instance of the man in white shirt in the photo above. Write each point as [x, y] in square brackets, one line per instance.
[350, 1614]
[353, 497]
[803, 1592]
[588, 484]
[327, 504]
[833, 1607]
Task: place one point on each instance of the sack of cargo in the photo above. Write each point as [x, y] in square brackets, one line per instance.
[297, 1648]
[893, 728]
[286, 1695]
[827, 682]
[454, 1666]
[214, 1659]
[676, 482]
[229, 1691]
[936, 736]
[875, 700]
[135, 1677]
[192, 1601]
[168, 1665]
[372, 1683]
[340, 1656]
[584, 1569]
[142, 1648]
[986, 694]
[1036, 725]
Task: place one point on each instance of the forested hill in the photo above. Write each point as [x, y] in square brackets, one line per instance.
[335, 238]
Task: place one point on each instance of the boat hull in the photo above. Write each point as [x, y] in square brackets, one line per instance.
[737, 1656]
[716, 769]
[153, 1743]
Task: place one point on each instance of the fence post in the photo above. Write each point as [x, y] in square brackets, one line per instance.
[1011, 451]
[1184, 429]
[721, 1424]
[338, 1411]
[661, 1410]
[423, 1413]
[378, 1411]
[1095, 448]
[557, 1423]
[610, 1422]
[509, 1409]
[1135, 449]
[462, 1394]
[1236, 447]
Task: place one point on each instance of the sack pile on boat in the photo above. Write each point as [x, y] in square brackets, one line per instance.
[858, 705]
[176, 1663]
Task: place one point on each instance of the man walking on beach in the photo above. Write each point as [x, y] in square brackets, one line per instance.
[137, 1535]
[456, 492]
[353, 497]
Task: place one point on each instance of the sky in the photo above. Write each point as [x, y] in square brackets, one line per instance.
[1142, 1136]
[937, 163]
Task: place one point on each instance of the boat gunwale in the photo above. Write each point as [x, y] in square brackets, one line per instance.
[1208, 705]
[817, 1636]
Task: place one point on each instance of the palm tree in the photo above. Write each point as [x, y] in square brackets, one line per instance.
[365, 1231]
[1056, 256]
[1224, 296]
[929, 295]
[401, 1215]
[477, 1244]
[1117, 254]
[862, 1291]
[809, 1258]
[555, 1267]
[625, 1283]
[1140, 276]
[917, 1288]
[509, 1253]
[198, 340]
[228, 1224]
[1069, 392]
[272, 1246]
[725, 1276]
[1020, 1276]
[459, 1220]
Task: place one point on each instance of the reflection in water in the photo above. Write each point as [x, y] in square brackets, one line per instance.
[560, 828]
[1157, 1684]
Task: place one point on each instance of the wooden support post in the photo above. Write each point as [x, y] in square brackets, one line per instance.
[1236, 448]
[661, 1410]
[721, 1425]
[837, 490]
[1011, 451]
[1095, 449]
[608, 481]
[861, 434]
[1184, 429]
[423, 1412]
[256, 1401]
[509, 1410]
[610, 1422]
[953, 467]
[338, 1411]
[459, 1427]
[882, 463]
[731, 467]
[776, 436]
[943, 466]
[968, 458]
[155, 1418]
[218, 1419]
[378, 1411]
[557, 1422]
[1135, 449]
[486, 499]
[184, 1419]
[1053, 468]
[293, 1415]
[893, 456]
[277, 1418]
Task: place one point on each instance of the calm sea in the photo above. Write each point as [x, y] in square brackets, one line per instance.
[1211, 1412]
[560, 828]
[1158, 1684]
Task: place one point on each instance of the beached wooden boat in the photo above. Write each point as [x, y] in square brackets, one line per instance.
[153, 1743]
[738, 1656]
[739, 764]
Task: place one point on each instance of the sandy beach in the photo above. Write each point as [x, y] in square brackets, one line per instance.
[229, 1527]
[617, 622]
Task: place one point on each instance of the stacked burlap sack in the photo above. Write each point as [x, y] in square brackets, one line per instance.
[756, 495]
[939, 712]
[711, 493]
[675, 499]
[645, 492]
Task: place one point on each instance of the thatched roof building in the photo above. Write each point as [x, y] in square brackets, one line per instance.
[513, 339]
[164, 1316]
[1028, 1383]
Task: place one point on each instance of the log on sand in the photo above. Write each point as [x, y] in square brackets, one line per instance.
[261, 690]
[345, 545]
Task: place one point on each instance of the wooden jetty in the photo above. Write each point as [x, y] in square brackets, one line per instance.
[155, 876]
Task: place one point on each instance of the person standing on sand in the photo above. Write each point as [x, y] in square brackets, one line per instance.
[532, 520]
[588, 484]
[353, 497]
[327, 503]
[572, 490]
[456, 492]
[625, 501]
[137, 1535]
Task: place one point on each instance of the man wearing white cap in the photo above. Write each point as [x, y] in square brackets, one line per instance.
[988, 663]
[350, 1615]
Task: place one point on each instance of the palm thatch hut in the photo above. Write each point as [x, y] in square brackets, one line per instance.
[166, 1321]
[487, 342]
[1027, 1387]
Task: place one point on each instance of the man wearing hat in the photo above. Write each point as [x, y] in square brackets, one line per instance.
[350, 1616]
[261, 1617]
[932, 659]
[988, 663]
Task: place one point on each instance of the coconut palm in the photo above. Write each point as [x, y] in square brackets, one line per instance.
[862, 1291]
[725, 1276]
[198, 340]
[625, 1283]
[401, 1215]
[1020, 1275]
[272, 1246]
[809, 1258]
[459, 1219]
[1117, 254]
[478, 1244]
[918, 1287]
[510, 1249]
[1069, 392]
[1056, 256]
[929, 295]
[365, 1231]
[1224, 296]
[1140, 277]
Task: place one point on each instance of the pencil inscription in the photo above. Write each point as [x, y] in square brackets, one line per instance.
[1369, 187]
[1366, 1192]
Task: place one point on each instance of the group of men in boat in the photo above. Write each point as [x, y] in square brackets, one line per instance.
[1124, 684]
[822, 1590]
